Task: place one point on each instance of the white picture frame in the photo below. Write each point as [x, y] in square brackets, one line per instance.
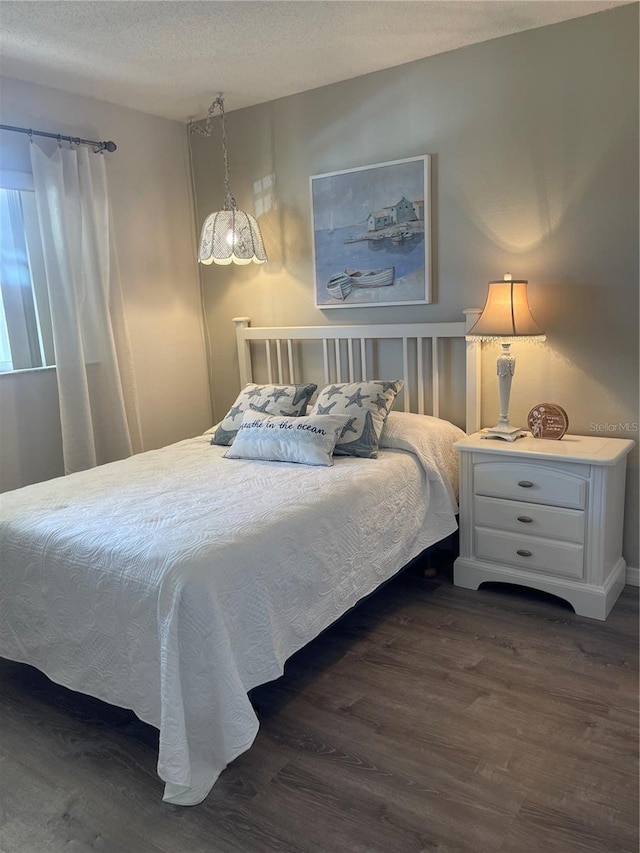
[371, 235]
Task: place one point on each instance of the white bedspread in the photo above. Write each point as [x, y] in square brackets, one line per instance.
[173, 582]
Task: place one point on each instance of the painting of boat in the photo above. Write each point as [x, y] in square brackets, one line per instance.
[401, 236]
[340, 285]
[372, 278]
[371, 235]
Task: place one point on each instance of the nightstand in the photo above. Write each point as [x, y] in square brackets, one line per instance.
[545, 514]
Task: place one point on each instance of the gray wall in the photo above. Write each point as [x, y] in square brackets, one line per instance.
[534, 139]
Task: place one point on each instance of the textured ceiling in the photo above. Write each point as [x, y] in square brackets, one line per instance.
[170, 58]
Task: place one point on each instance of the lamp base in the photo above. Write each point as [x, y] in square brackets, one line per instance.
[504, 431]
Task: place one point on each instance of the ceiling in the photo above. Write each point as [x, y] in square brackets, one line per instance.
[171, 57]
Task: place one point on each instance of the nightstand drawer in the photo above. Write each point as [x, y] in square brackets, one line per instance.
[564, 559]
[528, 519]
[532, 483]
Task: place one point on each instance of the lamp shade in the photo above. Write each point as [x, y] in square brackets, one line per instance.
[231, 236]
[506, 313]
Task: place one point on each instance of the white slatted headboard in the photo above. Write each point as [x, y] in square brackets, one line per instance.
[347, 353]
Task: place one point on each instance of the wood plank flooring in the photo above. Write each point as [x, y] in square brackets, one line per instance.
[430, 718]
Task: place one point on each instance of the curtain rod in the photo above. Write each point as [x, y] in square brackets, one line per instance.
[99, 146]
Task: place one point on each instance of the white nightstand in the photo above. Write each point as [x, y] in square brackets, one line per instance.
[545, 514]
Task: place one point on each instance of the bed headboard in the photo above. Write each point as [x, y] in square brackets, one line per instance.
[349, 352]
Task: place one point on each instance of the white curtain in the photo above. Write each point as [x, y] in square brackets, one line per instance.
[98, 401]
[18, 321]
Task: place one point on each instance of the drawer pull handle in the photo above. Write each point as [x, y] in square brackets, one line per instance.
[526, 484]
[522, 553]
[525, 519]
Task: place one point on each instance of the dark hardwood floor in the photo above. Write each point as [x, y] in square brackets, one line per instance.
[431, 718]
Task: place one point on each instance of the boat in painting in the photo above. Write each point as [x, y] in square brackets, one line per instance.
[372, 278]
[340, 285]
[401, 236]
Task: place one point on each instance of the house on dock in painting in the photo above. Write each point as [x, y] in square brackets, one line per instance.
[403, 211]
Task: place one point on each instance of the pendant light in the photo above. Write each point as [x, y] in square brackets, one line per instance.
[229, 235]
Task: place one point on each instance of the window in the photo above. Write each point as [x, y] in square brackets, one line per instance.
[26, 338]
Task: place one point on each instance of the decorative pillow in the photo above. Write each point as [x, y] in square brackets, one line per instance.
[288, 400]
[308, 440]
[367, 404]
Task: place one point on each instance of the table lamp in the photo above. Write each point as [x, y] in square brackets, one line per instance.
[505, 316]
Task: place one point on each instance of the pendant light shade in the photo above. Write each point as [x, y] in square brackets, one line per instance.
[231, 236]
[228, 235]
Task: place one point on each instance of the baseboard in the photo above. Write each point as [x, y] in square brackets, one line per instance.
[633, 576]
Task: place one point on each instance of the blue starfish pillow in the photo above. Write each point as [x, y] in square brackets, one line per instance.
[367, 404]
[289, 400]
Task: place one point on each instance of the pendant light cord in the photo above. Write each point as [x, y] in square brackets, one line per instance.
[204, 325]
[229, 200]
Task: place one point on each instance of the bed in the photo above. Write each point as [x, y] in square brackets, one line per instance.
[174, 582]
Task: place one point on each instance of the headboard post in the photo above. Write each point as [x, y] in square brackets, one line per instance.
[244, 351]
[474, 368]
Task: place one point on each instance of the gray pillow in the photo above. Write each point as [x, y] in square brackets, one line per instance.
[306, 440]
[367, 404]
[290, 400]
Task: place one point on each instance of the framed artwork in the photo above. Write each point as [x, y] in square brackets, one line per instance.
[371, 235]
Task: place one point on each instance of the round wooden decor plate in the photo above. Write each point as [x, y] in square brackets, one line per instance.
[548, 420]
